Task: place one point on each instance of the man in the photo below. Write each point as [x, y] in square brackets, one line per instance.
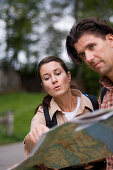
[91, 40]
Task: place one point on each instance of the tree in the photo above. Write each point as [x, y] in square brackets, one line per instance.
[30, 28]
[20, 17]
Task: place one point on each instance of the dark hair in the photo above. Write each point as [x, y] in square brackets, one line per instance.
[94, 25]
[47, 98]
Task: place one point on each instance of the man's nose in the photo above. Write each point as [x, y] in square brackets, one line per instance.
[89, 56]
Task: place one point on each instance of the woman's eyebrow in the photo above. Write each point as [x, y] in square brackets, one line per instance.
[46, 74]
[57, 69]
[53, 70]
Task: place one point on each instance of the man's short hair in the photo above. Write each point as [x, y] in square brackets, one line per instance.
[94, 25]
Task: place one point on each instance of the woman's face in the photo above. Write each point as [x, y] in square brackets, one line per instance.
[54, 79]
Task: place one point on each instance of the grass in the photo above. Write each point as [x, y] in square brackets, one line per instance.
[23, 105]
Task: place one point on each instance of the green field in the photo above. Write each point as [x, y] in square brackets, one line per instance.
[23, 105]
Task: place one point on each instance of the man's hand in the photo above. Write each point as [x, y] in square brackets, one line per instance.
[34, 135]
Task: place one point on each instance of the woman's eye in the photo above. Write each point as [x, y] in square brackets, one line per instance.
[58, 73]
[47, 78]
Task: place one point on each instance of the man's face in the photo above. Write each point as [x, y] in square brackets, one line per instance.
[97, 53]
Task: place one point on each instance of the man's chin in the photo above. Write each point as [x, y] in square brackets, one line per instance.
[97, 71]
[102, 72]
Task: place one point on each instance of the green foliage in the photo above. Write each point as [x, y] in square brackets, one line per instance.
[89, 8]
[30, 29]
[23, 106]
[91, 80]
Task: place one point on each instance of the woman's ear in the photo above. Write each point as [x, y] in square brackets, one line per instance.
[69, 76]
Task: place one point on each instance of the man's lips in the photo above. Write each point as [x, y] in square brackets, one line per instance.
[97, 64]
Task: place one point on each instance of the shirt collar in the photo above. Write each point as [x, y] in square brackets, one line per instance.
[84, 102]
[106, 82]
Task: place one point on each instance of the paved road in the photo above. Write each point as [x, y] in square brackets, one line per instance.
[10, 155]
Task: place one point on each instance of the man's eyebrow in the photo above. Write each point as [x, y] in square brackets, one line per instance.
[80, 53]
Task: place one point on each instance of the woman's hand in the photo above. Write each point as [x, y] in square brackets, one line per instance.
[34, 135]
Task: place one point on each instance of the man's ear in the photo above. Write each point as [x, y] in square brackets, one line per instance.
[109, 38]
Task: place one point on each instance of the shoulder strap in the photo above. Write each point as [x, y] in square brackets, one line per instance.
[94, 101]
[49, 123]
[103, 92]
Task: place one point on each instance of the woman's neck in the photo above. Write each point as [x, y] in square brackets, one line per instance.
[67, 102]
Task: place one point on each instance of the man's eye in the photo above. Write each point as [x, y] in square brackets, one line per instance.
[91, 46]
[82, 55]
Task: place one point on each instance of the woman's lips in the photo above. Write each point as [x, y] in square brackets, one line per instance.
[56, 87]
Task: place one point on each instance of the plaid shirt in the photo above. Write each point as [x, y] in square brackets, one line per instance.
[107, 102]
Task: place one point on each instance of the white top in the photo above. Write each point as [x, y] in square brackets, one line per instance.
[71, 115]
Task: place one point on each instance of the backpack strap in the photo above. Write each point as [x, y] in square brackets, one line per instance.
[94, 101]
[103, 92]
[49, 123]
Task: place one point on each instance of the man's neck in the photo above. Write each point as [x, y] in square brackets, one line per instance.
[105, 81]
[110, 77]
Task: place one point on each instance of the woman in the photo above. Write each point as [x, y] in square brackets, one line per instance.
[62, 102]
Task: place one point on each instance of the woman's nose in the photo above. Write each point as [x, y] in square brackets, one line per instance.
[54, 79]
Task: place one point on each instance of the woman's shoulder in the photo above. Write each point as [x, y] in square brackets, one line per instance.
[38, 118]
[39, 110]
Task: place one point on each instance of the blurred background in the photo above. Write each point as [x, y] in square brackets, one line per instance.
[29, 31]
